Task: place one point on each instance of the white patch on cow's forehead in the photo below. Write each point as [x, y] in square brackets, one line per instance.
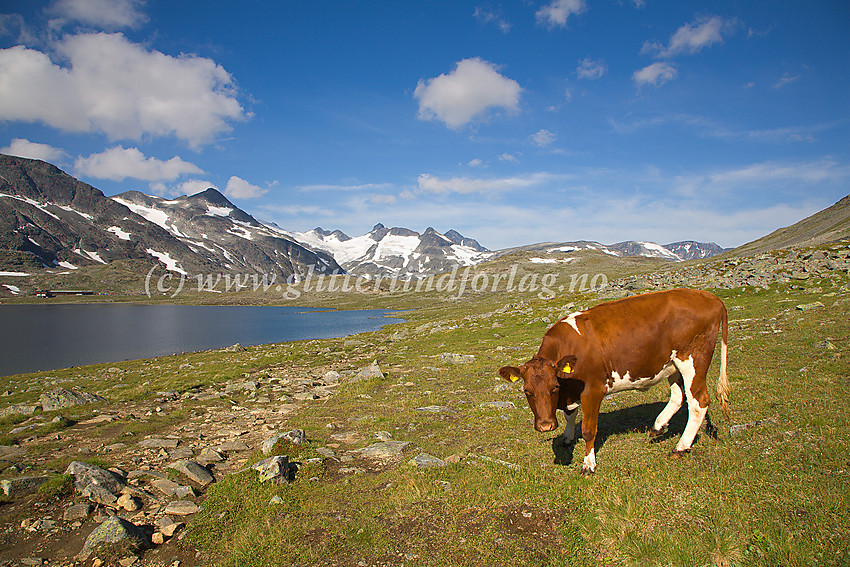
[571, 320]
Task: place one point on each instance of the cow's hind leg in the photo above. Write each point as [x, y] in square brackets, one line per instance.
[673, 405]
[693, 379]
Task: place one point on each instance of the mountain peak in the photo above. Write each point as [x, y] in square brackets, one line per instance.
[213, 197]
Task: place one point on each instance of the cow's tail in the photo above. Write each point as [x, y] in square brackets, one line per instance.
[723, 389]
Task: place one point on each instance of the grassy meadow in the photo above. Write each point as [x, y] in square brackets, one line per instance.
[773, 492]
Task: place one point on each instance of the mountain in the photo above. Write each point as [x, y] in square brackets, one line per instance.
[395, 251]
[49, 219]
[216, 229]
[828, 225]
[675, 252]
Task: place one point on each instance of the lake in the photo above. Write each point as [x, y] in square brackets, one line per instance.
[47, 337]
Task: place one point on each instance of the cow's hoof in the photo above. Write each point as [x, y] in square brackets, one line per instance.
[585, 471]
[655, 433]
[674, 454]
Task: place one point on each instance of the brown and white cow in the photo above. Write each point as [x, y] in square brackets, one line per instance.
[629, 344]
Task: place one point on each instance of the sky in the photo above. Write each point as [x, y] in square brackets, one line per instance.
[512, 122]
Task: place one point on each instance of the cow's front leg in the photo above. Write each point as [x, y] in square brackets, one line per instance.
[569, 434]
[590, 417]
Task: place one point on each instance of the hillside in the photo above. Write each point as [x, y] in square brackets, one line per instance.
[828, 225]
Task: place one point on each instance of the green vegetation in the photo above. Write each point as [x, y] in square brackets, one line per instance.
[773, 491]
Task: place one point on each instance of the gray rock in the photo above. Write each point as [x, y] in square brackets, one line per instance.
[235, 348]
[331, 377]
[452, 358]
[193, 471]
[810, 306]
[436, 409]
[385, 450]
[171, 488]
[129, 502]
[210, 455]
[368, 372]
[86, 475]
[182, 508]
[18, 409]
[229, 446]
[296, 436]
[77, 512]
[277, 468]
[500, 405]
[114, 530]
[424, 460]
[99, 495]
[167, 526]
[21, 486]
[59, 398]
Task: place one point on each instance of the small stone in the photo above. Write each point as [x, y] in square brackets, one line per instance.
[34, 561]
[77, 512]
[424, 460]
[168, 526]
[156, 443]
[193, 471]
[368, 372]
[452, 358]
[127, 561]
[385, 451]
[182, 508]
[210, 455]
[129, 503]
[500, 405]
[99, 495]
[436, 409]
[170, 488]
[276, 500]
[331, 377]
[158, 538]
[810, 306]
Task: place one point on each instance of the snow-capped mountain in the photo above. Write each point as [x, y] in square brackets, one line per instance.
[213, 227]
[676, 252]
[50, 219]
[691, 250]
[396, 251]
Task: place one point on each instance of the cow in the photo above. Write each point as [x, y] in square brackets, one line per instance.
[628, 344]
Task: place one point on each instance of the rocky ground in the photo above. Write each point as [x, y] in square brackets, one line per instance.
[134, 493]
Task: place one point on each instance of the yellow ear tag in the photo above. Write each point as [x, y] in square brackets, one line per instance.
[567, 369]
[514, 378]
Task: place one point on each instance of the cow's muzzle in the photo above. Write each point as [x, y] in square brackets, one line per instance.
[546, 425]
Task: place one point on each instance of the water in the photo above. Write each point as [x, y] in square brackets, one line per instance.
[47, 337]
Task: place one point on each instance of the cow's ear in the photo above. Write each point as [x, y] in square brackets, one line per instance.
[510, 373]
[566, 366]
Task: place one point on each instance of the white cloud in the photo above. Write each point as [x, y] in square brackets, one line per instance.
[473, 87]
[691, 38]
[118, 163]
[104, 14]
[590, 69]
[655, 74]
[758, 176]
[476, 163]
[786, 79]
[557, 12]
[238, 188]
[119, 88]
[488, 16]
[383, 199]
[22, 147]
[432, 184]
[509, 157]
[543, 138]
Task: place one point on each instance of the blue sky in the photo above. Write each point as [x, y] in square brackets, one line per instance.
[512, 122]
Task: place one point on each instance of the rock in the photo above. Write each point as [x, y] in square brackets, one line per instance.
[305, 396]
[383, 436]
[452, 358]
[157, 443]
[18, 409]
[77, 512]
[114, 530]
[235, 348]
[810, 306]
[99, 495]
[210, 455]
[16, 487]
[229, 446]
[193, 471]
[276, 500]
[424, 460]
[170, 488]
[385, 450]
[59, 398]
[168, 526]
[368, 372]
[296, 436]
[86, 475]
[182, 508]
[500, 405]
[158, 538]
[436, 409]
[129, 503]
[511, 466]
[277, 468]
[736, 429]
[331, 377]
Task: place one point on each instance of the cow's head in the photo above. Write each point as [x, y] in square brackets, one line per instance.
[545, 383]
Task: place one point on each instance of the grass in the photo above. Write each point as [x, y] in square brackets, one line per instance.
[772, 494]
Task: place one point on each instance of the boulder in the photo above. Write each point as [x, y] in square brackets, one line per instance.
[59, 398]
[296, 436]
[182, 508]
[368, 372]
[424, 460]
[21, 486]
[277, 468]
[114, 530]
[385, 451]
[86, 475]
